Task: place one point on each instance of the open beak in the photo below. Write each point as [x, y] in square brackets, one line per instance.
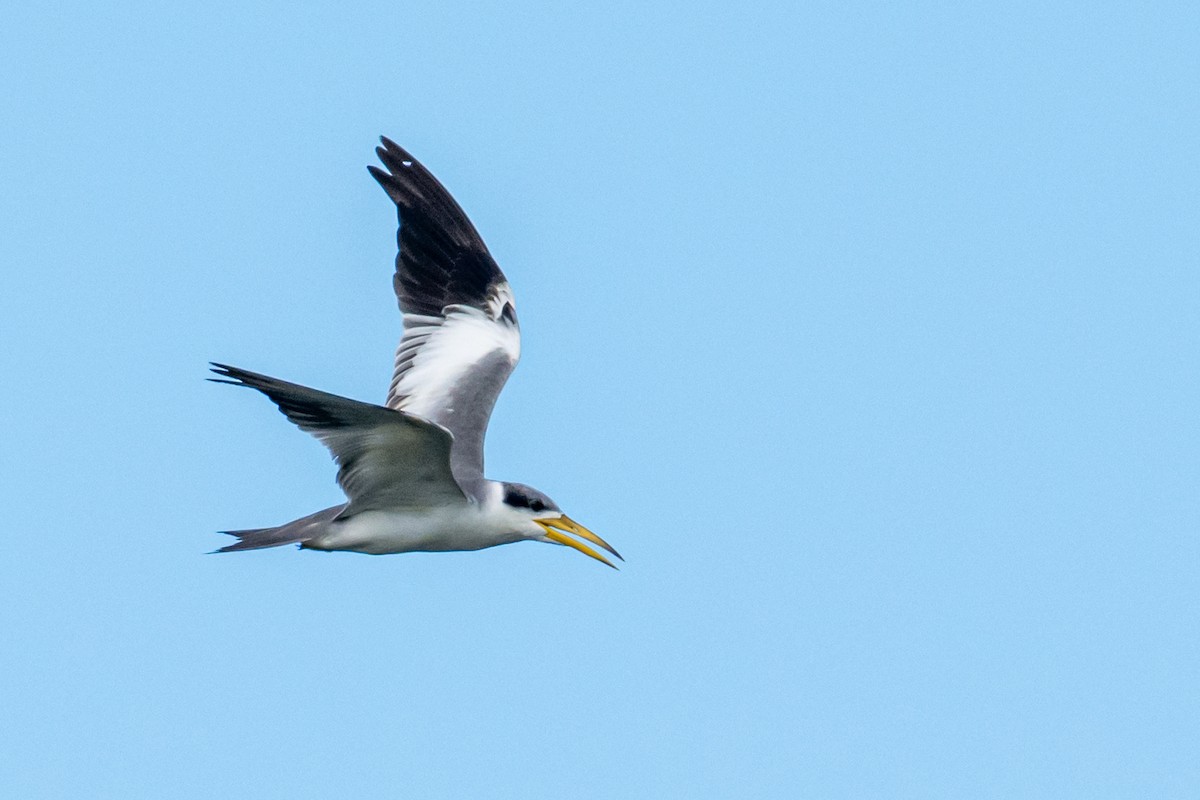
[555, 532]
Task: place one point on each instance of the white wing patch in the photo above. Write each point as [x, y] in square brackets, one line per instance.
[437, 353]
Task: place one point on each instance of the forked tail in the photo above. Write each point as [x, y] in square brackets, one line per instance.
[295, 532]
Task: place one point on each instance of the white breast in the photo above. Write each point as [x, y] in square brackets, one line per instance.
[461, 527]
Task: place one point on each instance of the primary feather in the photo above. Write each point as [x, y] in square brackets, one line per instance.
[387, 459]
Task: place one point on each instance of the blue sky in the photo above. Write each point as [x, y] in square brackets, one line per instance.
[868, 333]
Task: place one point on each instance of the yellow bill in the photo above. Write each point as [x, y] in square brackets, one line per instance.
[568, 525]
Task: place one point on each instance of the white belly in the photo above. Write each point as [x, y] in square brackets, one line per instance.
[378, 532]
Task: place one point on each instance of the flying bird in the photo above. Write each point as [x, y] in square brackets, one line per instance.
[412, 469]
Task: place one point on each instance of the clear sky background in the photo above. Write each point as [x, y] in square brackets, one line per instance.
[868, 332]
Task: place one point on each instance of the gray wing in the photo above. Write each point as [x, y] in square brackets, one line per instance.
[387, 459]
[461, 339]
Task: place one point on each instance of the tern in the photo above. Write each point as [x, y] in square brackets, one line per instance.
[412, 469]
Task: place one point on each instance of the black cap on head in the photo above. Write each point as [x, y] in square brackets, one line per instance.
[518, 495]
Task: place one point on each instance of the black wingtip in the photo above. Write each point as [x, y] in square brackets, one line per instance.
[236, 376]
[396, 163]
[383, 178]
[228, 374]
[393, 149]
[397, 159]
[237, 373]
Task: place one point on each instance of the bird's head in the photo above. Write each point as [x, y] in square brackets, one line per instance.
[544, 521]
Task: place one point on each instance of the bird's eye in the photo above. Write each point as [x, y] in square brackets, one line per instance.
[537, 505]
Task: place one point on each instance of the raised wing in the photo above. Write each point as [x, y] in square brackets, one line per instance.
[387, 459]
[461, 339]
